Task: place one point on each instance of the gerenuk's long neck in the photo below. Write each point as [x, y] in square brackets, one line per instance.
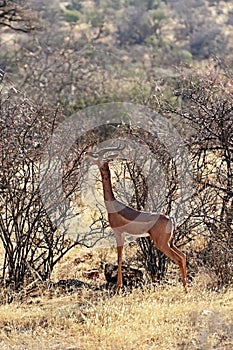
[106, 181]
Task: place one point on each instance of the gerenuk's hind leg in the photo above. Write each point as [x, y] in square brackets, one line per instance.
[161, 241]
[178, 258]
[179, 252]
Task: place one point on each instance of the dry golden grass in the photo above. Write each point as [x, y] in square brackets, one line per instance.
[160, 319]
[163, 318]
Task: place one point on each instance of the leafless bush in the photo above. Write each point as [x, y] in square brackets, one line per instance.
[31, 242]
[207, 106]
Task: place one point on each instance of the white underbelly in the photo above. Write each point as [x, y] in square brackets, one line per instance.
[134, 228]
[144, 234]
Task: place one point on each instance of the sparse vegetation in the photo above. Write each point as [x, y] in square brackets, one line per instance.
[155, 318]
[56, 59]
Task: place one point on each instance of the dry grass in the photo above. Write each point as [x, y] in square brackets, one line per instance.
[163, 318]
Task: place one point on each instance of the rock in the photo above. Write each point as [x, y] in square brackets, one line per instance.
[91, 274]
[130, 276]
